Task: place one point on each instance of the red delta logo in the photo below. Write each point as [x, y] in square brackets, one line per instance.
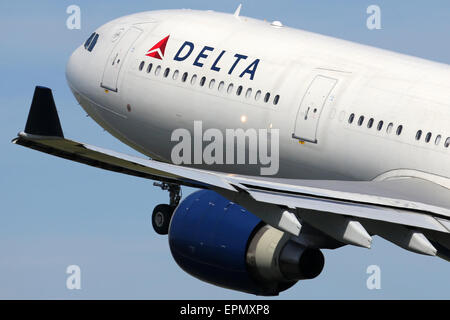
[157, 51]
[241, 66]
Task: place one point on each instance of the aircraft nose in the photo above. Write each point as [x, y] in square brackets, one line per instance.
[74, 70]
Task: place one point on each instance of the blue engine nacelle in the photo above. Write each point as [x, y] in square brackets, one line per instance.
[220, 242]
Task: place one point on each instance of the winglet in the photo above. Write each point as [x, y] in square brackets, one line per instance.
[238, 10]
[43, 118]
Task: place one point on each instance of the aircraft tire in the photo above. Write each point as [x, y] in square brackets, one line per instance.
[161, 218]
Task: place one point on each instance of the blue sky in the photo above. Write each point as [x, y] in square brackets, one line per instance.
[56, 213]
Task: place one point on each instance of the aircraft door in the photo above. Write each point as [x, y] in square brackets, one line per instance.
[310, 109]
[117, 57]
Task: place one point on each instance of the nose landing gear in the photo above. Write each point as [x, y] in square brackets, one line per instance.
[162, 214]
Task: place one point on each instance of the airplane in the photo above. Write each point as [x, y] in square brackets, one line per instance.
[339, 141]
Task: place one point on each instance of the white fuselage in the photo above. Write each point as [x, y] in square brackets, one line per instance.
[320, 84]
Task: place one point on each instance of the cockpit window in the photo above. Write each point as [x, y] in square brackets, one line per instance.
[93, 42]
[88, 41]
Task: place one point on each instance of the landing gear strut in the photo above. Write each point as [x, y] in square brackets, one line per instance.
[162, 213]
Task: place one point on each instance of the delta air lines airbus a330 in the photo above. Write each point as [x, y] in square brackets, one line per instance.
[298, 141]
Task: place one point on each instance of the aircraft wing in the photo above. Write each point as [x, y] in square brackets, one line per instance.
[411, 212]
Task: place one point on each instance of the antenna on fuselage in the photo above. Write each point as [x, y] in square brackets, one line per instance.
[238, 10]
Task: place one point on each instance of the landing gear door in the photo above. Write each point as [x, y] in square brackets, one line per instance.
[310, 109]
[117, 57]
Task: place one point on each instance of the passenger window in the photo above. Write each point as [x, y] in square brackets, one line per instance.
[428, 137]
[399, 130]
[370, 123]
[276, 99]
[351, 118]
[193, 79]
[221, 85]
[202, 81]
[149, 68]
[389, 128]
[212, 83]
[361, 121]
[438, 139]
[418, 135]
[248, 94]
[184, 77]
[166, 72]
[141, 65]
[93, 43]
[158, 70]
[230, 88]
[447, 142]
[175, 75]
[239, 91]
[267, 97]
[258, 95]
[380, 125]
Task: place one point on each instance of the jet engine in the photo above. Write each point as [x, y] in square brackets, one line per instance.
[221, 243]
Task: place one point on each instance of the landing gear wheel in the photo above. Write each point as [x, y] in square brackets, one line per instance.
[161, 218]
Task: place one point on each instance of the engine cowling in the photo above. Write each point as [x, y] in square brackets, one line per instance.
[219, 242]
